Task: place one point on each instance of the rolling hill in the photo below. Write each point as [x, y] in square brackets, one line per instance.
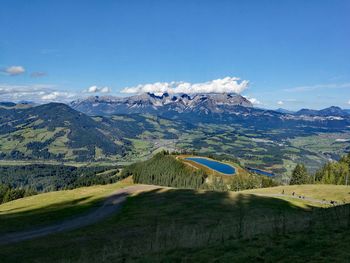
[56, 131]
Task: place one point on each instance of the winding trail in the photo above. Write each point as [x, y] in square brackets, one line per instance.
[111, 205]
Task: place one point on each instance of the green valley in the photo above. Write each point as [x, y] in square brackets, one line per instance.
[35, 134]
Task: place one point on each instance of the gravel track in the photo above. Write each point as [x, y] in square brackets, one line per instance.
[110, 206]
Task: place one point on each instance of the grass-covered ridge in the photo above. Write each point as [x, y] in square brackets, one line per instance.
[196, 225]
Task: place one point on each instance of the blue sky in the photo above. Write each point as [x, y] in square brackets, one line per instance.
[294, 54]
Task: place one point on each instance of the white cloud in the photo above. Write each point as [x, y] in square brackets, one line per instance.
[225, 85]
[14, 70]
[254, 101]
[280, 102]
[51, 96]
[96, 89]
[58, 96]
[6, 89]
[36, 93]
[92, 89]
[349, 102]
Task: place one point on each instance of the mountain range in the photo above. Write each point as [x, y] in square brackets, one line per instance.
[331, 111]
[214, 108]
[151, 103]
[202, 104]
[132, 128]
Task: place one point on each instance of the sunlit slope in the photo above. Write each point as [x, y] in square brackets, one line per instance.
[339, 193]
[51, 207]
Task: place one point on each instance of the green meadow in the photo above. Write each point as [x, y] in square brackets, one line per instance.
[181, 225]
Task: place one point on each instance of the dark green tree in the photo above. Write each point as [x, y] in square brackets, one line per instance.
[299, 175]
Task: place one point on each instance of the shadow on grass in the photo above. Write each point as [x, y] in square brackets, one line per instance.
[174, 219]
[16, 221]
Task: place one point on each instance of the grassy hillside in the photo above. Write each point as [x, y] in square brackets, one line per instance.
[339, 193]
[318, 246]
[56, 131]
[186, 225]
[52, 207]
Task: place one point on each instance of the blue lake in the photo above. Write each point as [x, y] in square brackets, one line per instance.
[260, 172]
[217, 166]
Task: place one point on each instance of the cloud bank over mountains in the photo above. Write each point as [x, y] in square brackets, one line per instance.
[41, 93]
[225, 85]
[35, 93]
[44, 93]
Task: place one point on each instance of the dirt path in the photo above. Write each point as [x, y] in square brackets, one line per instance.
[111, 205]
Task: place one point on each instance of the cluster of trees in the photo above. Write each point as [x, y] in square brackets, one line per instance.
[331, 173]
[8, 193]
[164, 169]
[46, 177]
[335, 172]
[240, 182]
[108, 177]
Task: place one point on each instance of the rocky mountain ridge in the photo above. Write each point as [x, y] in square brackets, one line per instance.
[200, 107]
[151, 103]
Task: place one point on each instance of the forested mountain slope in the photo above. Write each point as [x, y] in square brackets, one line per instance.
[56, 131]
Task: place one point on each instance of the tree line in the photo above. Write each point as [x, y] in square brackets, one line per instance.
[47, 177]
[337, 172]
[8, 193]
[164, 169]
